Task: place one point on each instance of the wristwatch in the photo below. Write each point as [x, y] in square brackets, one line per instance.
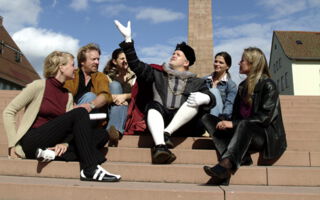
[92, 106]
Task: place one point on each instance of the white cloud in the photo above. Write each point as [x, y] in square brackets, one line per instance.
[36, 44]
[156, 54]
[19, 13]
[114, 10]
[79, 5]
[155, 15]
[158, 15]
[285, 8]
[235, 39]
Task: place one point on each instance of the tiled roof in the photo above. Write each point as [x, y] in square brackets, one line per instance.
[300, 45]
[20, 73]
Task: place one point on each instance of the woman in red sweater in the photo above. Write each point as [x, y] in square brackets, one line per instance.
[51, 127]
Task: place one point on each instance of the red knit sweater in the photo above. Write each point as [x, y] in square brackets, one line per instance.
[53, 104]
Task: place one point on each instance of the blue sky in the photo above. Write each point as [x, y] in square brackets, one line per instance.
[41, 26]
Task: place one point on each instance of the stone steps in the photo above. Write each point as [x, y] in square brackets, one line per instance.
[296, 175]
[174, 173]
[32, 188]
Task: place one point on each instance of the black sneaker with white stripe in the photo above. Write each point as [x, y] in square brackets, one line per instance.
[99, 175]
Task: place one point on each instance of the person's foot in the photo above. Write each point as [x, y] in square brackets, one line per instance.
[99, 175]
[217, 171]
[246, 160]
[167, 140]
[215, 181]
[45, 155]
[114, 136]
[162, 155]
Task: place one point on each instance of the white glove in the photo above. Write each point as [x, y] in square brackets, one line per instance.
[125, 31]
[197, 99]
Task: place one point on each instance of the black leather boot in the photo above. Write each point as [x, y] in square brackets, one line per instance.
[167, 140]
[162, 155]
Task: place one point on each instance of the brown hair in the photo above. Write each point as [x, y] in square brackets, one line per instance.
[81, 57]
[53, 61]
[227, 58]
[111, 69]
[259, 68]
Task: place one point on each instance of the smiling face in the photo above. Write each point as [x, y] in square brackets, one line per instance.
[91, 64]
[220, 65]
[179, 61]
[68, 69]
[245, 66]
[121, 61]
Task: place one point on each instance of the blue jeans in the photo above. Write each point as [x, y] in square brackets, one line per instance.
[217, 110]
[86, 98]
[117, 114]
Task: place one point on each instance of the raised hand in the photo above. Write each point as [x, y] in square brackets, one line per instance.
[125, 31]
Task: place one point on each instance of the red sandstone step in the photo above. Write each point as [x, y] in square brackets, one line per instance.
[205, 157]
[174, 173]
[145, 141]
[49, 188]
[66, 189]
[239, 192]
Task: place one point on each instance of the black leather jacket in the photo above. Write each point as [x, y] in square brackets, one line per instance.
[266, 113]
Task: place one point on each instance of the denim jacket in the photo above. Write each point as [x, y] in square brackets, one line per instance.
[228, 91]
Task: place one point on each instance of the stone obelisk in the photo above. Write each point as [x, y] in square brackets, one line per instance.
[200, 35]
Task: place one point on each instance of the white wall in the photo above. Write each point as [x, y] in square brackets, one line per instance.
[306, 78]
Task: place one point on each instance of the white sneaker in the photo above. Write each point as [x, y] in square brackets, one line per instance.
[45, 155]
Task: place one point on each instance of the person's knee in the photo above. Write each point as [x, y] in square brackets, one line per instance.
[80, 111]
[115, 87]
[87, 97]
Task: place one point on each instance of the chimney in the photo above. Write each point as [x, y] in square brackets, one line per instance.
[1, 20]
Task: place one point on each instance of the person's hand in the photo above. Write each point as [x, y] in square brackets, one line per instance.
[59, 149]
[223, 125]
[84, 105]
[119, 99]
[13, 154]
[125, 31]
[196, 99]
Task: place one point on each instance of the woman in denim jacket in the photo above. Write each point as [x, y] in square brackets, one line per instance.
[222, 87]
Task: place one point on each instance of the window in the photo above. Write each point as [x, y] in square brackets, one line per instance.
[286, 79]
[277, 65]
[282, 83]
[1, 46]
[275, 46]
[280, 63]
[274, 68]
[18, 57]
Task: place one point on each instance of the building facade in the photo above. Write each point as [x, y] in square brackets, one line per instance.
[15, 70]
[295, 62]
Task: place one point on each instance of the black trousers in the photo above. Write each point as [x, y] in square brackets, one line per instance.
[235, 143]
[72, 127]
[193, 128]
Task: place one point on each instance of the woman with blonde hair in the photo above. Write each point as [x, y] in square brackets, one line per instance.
[51, 128]
[256, 124]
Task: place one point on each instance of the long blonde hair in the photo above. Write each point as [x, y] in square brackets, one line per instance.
[259, 68]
